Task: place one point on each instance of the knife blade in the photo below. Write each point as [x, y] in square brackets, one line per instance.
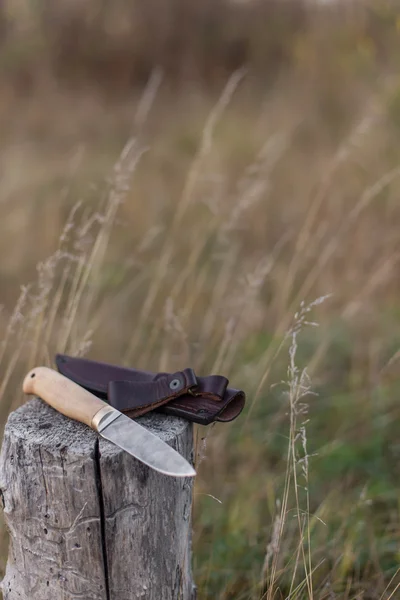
[77, 403]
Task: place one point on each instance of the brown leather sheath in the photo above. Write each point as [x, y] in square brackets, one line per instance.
[202, 400]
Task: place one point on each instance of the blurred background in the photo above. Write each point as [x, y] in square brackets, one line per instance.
[201, 184]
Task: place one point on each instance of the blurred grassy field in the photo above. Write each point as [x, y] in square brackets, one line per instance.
[260, 172]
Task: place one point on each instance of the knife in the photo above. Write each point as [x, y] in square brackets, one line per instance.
[77, 403]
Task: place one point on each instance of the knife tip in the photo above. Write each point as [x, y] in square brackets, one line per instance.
[187, 473]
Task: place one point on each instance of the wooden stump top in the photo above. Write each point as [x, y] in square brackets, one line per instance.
[50, 429]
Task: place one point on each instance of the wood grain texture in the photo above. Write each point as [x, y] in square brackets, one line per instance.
[64, 395]
[86, 520]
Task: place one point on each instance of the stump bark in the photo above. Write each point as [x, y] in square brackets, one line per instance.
[88, 521]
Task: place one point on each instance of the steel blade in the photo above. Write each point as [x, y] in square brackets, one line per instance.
[145, 446]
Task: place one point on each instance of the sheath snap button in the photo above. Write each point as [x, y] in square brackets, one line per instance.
[175, 384]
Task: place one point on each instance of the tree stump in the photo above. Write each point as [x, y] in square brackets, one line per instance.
[88, 521]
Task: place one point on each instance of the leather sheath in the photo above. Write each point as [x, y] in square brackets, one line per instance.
[202, 400]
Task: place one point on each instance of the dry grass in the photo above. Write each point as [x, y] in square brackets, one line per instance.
[225, 216]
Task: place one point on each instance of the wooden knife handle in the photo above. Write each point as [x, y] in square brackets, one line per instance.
[64, 395]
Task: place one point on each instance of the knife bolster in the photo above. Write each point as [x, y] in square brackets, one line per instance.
[104, 417]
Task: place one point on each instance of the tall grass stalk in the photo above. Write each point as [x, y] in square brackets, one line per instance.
[182, 205]
[297, 474]
[52, 314]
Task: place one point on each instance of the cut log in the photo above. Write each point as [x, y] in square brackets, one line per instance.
[88, 521]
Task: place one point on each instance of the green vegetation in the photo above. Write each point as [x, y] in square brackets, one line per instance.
[262, 174]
